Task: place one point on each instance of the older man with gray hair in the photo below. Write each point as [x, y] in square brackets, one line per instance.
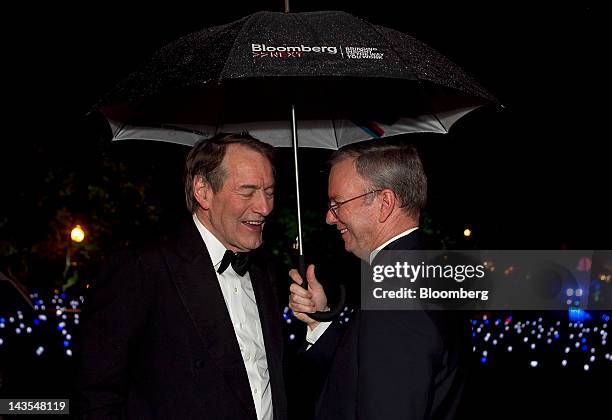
[382, 364]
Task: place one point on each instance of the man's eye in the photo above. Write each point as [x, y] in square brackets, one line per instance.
[270, 193]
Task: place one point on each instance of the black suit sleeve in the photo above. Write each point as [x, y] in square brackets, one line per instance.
[407, 366]
[113, 317]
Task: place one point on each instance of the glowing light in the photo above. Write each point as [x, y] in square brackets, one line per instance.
[586, 367]
[533, 363]
[40, 350]
[467, 232]
[69, 352]
[509, 349]
[563, 362]
[77, 234]
[569, 292]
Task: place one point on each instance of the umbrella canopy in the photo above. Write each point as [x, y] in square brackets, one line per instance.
[349, 80]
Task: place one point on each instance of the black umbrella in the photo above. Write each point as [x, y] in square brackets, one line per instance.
[347, 79]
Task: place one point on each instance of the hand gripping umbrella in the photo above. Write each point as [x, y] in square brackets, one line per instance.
[348, 80]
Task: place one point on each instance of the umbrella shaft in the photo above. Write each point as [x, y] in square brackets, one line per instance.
[297, 182]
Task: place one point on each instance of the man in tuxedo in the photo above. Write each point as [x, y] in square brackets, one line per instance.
[381, 364]
[191, 328]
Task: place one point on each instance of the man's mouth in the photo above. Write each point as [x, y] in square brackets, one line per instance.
[343, 231]
[256, 225]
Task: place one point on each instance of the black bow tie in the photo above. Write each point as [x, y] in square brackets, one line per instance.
[238, 260]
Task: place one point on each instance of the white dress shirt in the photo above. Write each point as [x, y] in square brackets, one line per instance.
[313, 335]
[242, 307]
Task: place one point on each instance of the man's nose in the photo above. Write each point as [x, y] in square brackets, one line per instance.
[263, 203]
[330, 219]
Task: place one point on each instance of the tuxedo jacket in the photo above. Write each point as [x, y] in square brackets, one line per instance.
[382, 365]
[158, 342]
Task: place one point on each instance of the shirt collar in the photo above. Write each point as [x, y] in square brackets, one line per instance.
[396, 237]
[214, 246]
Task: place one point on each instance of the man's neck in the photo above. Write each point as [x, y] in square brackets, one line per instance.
[203, 218]
[394, 229]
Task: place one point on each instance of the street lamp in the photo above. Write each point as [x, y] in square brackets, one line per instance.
[77, 234]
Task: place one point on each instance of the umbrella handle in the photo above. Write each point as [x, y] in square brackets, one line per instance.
[322, 316]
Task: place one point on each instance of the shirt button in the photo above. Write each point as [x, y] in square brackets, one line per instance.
[235, 290]
[247, 357]
[240, 325]
[255, 391]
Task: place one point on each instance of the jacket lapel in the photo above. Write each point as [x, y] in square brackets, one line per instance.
[198, 287]
[269, 315]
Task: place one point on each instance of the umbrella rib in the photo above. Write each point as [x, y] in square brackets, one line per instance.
[238, 35]
[333, 120]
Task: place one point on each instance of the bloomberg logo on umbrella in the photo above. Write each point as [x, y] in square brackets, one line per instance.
[263, 50]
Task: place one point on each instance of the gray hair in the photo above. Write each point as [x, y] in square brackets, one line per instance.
[392, 165]
[205, 160]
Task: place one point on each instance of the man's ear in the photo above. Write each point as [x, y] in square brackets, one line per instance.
[387, 204]
[202, 191]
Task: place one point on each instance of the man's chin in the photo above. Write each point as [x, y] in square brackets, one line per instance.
[250, 245]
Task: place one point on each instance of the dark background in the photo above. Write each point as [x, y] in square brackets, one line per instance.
[535, 175]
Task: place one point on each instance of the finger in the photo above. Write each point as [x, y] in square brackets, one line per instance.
[300, 291]
[310, 275]
[301, 300]
[295, 276]
[298, 308]
[304, 318]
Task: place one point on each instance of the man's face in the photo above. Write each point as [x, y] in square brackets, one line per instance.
[357, 219]
[236, 213]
